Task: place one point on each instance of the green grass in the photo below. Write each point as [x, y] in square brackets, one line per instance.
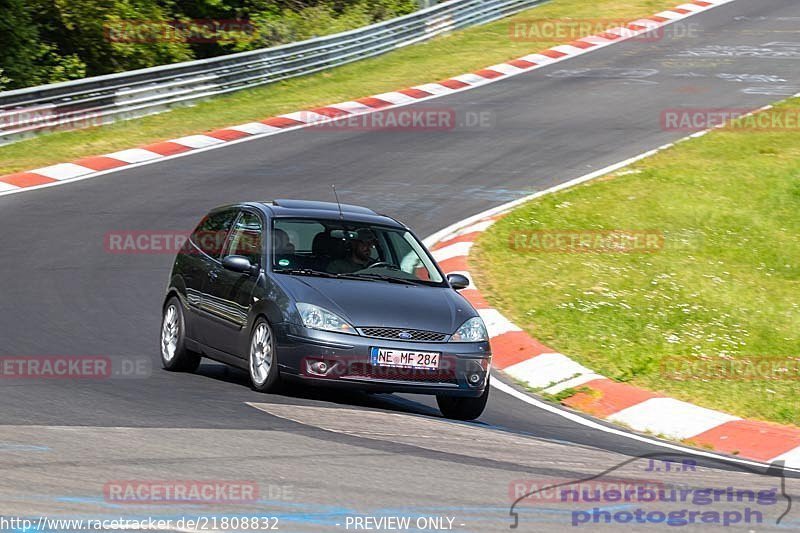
[440, 58]
[725, 285]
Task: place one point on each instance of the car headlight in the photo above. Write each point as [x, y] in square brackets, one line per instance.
[473, 330]
[316, 317]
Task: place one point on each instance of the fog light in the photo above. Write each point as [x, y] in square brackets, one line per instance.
[474, 379]
[320, 367]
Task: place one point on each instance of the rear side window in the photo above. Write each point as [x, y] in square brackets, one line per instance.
[211, 232]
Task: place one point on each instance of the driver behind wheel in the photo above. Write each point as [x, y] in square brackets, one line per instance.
[359, 255]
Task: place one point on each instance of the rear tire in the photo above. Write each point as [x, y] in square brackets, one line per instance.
[262, 361]
[174, 354]
[463, 408]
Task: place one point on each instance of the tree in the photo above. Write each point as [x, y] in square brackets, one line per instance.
[19, 42]
[110, 35]
[44, 41]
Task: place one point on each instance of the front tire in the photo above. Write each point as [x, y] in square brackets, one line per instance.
[463, 408]
[262, 361]
[174, 354]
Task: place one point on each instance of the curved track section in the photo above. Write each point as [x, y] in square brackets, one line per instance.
[63, 293]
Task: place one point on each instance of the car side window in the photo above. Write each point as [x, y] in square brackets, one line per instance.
[246, 238]
[212, 231]
[411, 259]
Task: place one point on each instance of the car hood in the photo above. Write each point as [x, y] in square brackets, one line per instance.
[384, 304]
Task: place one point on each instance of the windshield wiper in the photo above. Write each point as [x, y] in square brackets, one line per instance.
[365, 276]
[320, 273]
[382, 277]
[306, 272]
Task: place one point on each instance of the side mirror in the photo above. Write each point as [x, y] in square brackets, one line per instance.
[238, 263]
[458, 281]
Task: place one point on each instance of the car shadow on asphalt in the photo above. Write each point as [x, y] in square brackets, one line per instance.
[298, 391]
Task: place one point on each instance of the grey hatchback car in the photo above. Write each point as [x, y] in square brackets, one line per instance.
[326, 294]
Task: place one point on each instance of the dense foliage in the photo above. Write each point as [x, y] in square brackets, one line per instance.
[45, 41]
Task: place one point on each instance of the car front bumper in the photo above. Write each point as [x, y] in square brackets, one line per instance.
[347, 363]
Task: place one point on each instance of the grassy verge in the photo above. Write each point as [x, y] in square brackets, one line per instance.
[440, 58]
[713, 315]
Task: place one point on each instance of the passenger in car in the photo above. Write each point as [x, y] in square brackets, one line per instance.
[283, 244]
[284, 250]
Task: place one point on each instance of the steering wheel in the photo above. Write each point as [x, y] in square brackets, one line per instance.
[384, 264]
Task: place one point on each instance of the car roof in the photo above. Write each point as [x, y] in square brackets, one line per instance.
[322, 210]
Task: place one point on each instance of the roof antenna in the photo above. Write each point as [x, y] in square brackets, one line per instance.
[341, 216]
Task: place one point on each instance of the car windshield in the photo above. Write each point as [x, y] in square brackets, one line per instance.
[340, 248]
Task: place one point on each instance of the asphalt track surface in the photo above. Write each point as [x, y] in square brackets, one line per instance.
[337, 453]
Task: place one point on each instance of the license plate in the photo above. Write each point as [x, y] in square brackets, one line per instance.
[404, 358]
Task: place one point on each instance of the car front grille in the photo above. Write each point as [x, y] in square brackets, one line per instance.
[366, 370]
[400, 334]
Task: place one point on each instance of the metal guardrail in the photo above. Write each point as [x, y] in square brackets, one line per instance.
[104, 99]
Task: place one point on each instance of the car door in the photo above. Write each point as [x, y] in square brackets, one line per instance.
[230, 294]
[198, 258]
